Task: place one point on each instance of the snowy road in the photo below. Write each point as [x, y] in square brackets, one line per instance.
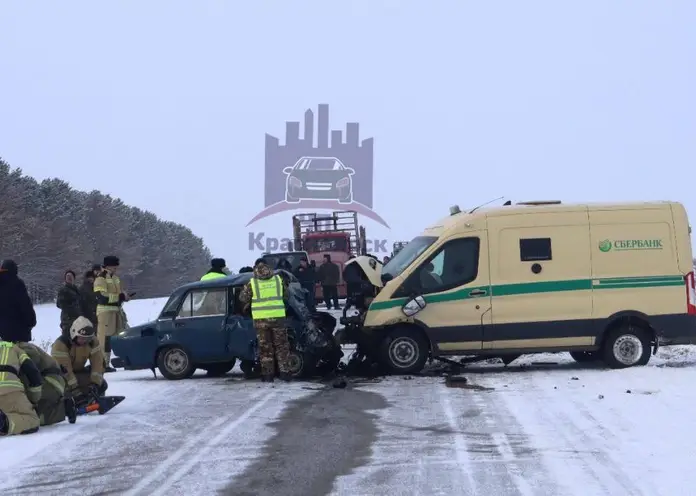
[540, 430]
[552, 429]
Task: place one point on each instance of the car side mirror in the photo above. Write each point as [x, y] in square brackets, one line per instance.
[350, 171]
[413, 306]
[386, 277]
[287, 170]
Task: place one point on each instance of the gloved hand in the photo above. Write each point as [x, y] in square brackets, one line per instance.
[94, 391]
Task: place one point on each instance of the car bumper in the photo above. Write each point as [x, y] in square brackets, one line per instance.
[675, 329]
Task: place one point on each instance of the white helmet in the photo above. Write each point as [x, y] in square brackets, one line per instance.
[81, 328]
[371, 267]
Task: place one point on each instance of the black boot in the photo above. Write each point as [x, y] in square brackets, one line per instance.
[70, 409]
[4, 423]
[267, 378]
[285, 376]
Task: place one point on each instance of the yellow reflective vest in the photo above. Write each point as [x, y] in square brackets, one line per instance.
[108, 289]
[212, 275]
[13, 362]
[267, 298]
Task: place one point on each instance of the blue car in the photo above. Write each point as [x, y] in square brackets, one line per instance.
[203, 326]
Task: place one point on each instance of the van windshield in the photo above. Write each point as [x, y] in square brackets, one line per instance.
[407, 255]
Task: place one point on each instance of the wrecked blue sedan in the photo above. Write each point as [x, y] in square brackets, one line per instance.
[203, 326]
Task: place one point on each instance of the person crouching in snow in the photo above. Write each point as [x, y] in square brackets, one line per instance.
[85, 382]
[17, 408]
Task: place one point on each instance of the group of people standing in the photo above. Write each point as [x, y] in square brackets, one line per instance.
[38, 388]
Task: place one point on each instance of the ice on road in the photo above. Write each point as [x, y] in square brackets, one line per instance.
[556, 428]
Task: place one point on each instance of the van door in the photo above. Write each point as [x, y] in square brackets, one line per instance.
[455, 283]
[541, 280]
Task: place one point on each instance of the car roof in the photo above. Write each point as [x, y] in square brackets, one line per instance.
[223, 282]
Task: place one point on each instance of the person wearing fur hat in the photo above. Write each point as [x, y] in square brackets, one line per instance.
[218, 268]
[110, 298]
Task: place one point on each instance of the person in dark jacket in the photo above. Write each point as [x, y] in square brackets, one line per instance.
[307, 277]
[89, 299]
[17, 315]
[70, 302]
[329, 276]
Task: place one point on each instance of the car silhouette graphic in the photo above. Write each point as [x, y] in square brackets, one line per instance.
[319, 178]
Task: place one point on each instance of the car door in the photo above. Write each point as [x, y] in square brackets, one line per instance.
[241, 335]
[200, 324]
[455, 284]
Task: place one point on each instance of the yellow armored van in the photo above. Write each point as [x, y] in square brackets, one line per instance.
[604, 282]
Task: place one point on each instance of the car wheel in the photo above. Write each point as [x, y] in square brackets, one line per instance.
[404, 351]
[585, 356]
[626, 346]
[220, 369]
[174, 363]
[300, 364]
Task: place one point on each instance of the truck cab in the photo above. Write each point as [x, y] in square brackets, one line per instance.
[336, 234]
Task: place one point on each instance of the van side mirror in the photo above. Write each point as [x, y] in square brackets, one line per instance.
[413, 306]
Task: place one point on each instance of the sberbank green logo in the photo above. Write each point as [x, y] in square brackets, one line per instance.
[629, 244]
[605, 245]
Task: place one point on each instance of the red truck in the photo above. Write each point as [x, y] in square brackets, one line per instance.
[337, 234]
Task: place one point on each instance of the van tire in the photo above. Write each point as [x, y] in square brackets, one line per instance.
[626, 346]
[404, 351]
[585, 356]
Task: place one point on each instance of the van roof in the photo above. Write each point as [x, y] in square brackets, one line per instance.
[451, 221]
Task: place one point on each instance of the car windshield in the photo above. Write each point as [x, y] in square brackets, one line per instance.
[320, 164]
[407, 255]
[293, 258]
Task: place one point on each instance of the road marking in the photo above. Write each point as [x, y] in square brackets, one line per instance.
[501, 441]
[192, 443]
[460, 450]
[203, 451]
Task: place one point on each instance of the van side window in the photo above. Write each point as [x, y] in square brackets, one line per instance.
[535, 249]
[456, 263]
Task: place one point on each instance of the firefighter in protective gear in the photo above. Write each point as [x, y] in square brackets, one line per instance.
[110, 315]
[17, 408]
[218, 268]
[53, 407]
[85, 382]
[267, 293]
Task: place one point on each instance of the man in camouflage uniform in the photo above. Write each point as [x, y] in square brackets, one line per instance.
[110, 316]
[266, 294]
[85, 382]
[17, 408]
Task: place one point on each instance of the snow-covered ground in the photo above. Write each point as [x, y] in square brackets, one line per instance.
[542, 426]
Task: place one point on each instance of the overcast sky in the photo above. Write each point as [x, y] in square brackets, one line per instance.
[166, 103]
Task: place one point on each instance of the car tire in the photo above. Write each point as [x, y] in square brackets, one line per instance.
[174, 363]
[585, 356]
[301, 364]
[219, 369]
[404, 351]
[626, 346]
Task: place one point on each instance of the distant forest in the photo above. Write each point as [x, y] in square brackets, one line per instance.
[48, 227]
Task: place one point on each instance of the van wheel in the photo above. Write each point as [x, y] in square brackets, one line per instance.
[585, 356]
[220, 369]
[175, 364]
[404, 351]
[626, 346]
